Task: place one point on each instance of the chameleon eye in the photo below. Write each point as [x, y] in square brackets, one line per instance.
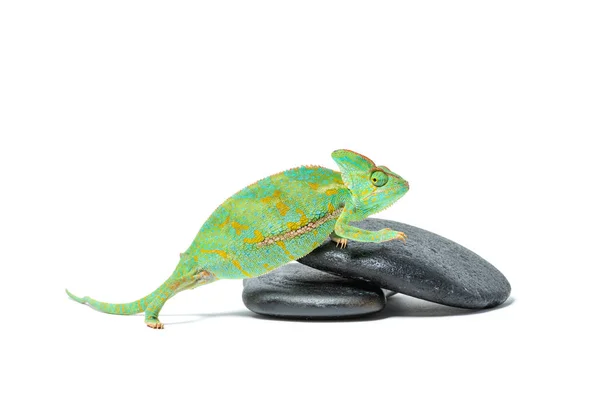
[379, 178]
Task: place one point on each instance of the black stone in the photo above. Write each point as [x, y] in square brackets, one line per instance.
[298, 291]
[427, 266]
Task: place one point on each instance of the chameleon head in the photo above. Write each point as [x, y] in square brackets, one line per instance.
[373, 187]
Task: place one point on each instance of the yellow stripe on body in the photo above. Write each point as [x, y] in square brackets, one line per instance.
[225, 256]
[282, 208]
[285, 250]
[258, 237]
[238, 227]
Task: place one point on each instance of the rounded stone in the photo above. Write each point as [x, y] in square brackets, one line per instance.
[298, 291]
[427, 266]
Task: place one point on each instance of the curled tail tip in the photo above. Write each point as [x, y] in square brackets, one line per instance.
[72, 296]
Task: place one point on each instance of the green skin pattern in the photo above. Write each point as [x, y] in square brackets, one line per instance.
[278, 219]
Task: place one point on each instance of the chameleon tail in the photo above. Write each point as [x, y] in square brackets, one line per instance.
[112, 308]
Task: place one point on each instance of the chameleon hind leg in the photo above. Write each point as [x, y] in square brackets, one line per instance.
[170, 289]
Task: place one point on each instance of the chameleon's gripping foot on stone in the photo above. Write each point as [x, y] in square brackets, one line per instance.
[402, 236]
[341, 242]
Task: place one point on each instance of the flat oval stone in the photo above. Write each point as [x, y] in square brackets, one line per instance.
[427, 266]
[298, 291]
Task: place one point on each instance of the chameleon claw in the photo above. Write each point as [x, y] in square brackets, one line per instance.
[342, 243]
[155, 325]
[402, 236]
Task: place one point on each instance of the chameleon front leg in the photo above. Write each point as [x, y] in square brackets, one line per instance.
[343, 231]
[339, 241]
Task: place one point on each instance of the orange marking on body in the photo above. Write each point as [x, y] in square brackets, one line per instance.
[219, 252]
[315, 232]
[315, 244]
[238, 266]
[331, 192]
[275, 198]
[272, 197]
[283, 208]
[196, 258]
[303, 219]
[224, 223]
[267, 267]
[223, 254]
[258, 237]
[313, 186]
[238, 227]
[285, 250]
[297, 225]
[330, 207]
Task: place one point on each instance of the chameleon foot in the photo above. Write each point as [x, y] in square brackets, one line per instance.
[401, 236]
[155, 324]
[341, 242]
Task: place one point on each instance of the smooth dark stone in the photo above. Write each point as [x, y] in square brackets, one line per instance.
[298, 291]
[427, 266]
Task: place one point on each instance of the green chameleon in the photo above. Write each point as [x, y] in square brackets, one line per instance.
[278, 219]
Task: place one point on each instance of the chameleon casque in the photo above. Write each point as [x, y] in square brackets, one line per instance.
[278, 219]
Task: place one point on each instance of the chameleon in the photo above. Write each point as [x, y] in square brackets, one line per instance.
[276, 220]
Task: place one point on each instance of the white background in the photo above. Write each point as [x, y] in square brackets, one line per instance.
[124, 124]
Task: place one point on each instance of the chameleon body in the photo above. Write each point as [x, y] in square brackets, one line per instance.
[278, 219]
